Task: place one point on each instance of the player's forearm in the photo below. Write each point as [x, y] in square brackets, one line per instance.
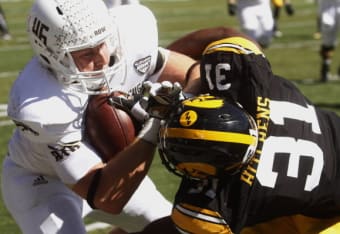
[176, 68]
[193, 79]
[183, 69]
[119, 178]
[122, 176]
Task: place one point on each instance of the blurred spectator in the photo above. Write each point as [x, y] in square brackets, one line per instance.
[255, 17]
[329, 12]
[317, 34]
[277, 6]
[5, 35]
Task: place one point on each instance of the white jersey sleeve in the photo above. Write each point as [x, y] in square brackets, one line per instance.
[49, 134]
[40, 103]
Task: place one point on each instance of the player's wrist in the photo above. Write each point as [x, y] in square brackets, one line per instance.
[149, 132]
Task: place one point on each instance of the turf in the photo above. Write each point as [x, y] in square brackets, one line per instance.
[294, 56]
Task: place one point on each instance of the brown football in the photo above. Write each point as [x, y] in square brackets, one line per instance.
[108, 129]
[194, 43]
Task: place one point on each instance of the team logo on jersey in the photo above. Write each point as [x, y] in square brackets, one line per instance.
[142, 65]
[25, 128]
[60, 152]
[39, 180]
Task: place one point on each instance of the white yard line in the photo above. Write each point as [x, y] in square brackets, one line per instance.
[8, 74]
[15, 1]
[3, 113]
[96, 226]
[3, 110]
[14, 48]
[5, 123]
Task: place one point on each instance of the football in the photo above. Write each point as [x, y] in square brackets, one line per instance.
[194, 43]
[108, 129]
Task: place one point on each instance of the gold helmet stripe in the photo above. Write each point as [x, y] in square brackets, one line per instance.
[211, 135]
[236, 45]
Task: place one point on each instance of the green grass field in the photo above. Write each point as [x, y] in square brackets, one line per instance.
[294, 56]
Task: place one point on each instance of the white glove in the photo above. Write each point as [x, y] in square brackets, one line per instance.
[150, 131]
[159, 98]
[130, 104]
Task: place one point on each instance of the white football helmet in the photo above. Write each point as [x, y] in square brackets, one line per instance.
[58, 27]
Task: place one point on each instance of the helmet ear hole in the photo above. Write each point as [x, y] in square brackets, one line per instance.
[221, 135]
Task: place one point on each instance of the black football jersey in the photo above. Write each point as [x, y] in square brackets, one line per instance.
[295, 168]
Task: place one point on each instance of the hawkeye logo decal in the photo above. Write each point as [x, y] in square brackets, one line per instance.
[142, 65]
[188, 118]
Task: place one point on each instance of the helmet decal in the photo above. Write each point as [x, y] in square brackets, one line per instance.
[188, 118]
[39, 29]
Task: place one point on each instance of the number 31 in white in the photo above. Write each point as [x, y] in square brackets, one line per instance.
[289, 145]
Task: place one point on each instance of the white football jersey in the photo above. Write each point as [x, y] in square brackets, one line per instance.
[49, 117]
[139, 46]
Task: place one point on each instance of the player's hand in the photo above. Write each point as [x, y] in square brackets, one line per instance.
[149, 132]
[231, 9]
[159, 98]
[130, 104]
[289, 9]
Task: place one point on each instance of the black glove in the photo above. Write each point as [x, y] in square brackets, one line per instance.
[231, 9]
[289, 9]
[160, 98]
